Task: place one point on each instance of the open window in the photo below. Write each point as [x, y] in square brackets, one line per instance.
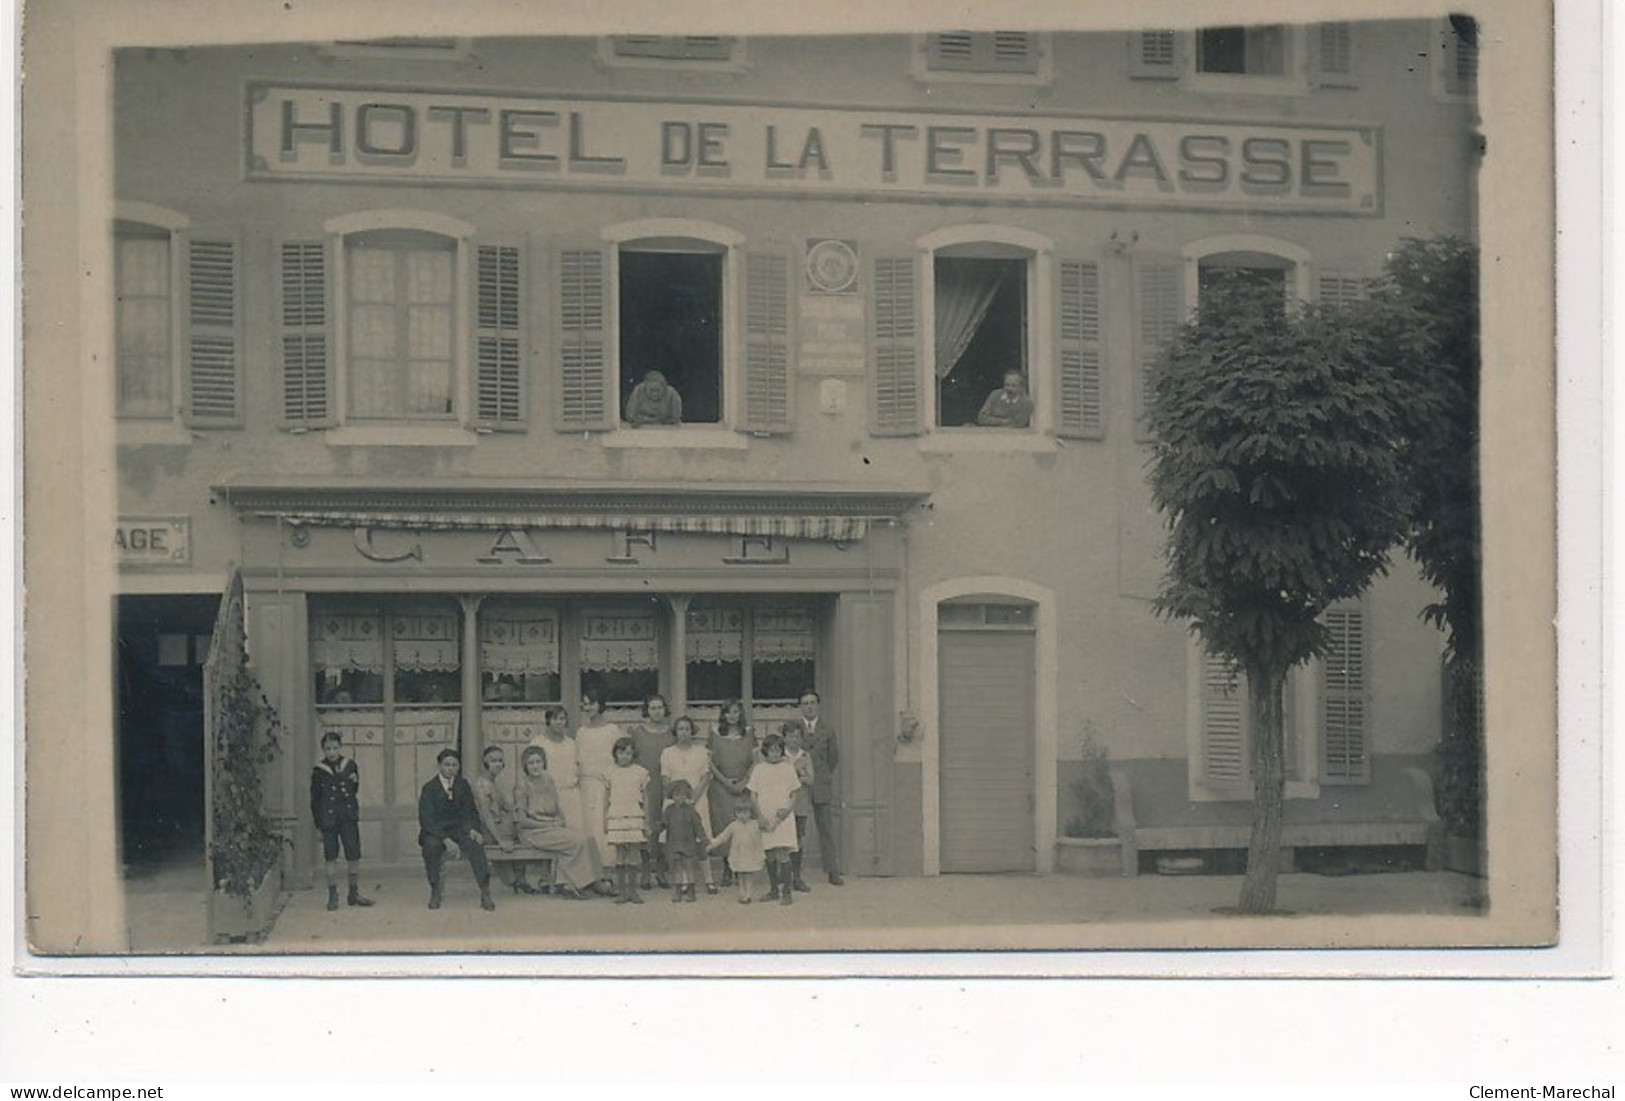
[671, 322]
[980, 332]
[1263, 58]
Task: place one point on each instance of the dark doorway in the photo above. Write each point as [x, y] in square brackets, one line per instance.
[671, 322]
[162, 642]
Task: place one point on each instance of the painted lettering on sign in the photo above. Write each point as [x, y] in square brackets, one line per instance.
[514, 546]
[153, 541]
[305, 132]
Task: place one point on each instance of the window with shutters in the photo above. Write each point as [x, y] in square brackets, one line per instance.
[1269, 58]
[1454, 58]
[1325, 706]
[985, 339]
[697, 52]
[399, 318]
[1249, 258]
[177, 320]
[1004, 57]
[701, 327]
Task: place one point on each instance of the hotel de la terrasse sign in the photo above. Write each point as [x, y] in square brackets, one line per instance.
[305, 132]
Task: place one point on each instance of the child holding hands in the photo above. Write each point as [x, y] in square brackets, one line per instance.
[743, 840]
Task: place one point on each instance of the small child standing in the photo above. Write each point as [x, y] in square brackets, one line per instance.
[626, 820]
[774, 782]
[335, 786]
[743, 839]
[684, 834]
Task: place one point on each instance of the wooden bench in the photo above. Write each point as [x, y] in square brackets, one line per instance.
[542, 870]
[1418, 827]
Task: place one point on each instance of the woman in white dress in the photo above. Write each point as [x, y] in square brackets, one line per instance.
[773, 783]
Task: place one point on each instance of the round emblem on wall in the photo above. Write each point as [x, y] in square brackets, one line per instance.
[832, 267]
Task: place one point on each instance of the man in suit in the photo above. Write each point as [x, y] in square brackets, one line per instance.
[447, 812]
[823, 747]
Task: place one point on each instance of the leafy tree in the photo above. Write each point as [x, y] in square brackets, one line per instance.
[1428, 296]
[1280, 468]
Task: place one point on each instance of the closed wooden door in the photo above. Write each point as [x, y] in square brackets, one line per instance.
[987, 679]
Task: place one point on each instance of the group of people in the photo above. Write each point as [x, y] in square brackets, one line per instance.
[615, 810]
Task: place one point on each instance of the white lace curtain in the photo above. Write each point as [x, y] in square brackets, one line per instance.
[618, 640]
[519, 642]
[777, 634]
[426, 643]
[964, 293]
[348, 642]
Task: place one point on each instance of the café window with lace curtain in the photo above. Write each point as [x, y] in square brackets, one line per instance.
[417, 645]
[620, 652]
[519, 655]
[762, 652]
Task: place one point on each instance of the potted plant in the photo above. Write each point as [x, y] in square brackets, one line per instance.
[245, 849]
[1090, 845]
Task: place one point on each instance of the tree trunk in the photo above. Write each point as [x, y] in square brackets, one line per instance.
[1269, 791]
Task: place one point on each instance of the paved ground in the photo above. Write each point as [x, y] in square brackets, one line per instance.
[166, 915]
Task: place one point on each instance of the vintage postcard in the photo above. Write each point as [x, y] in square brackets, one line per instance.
[820, 482]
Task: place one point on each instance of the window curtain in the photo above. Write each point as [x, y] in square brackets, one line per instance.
[715, 634]
[964, 293]
[782, 634]
[426, 643]
[618, 640]
[143, 325]
[388, 286]
[519, 642]
[348, 642]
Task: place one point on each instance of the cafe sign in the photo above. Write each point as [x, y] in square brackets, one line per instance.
[153, 540]
[330, 132]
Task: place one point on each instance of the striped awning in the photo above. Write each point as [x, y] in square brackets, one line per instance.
[840, 529]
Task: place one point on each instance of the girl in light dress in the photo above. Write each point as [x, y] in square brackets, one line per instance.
[627, 819]
[499, 815]
[773, 783]
[690, 761]
[743, 840]
[595, 756]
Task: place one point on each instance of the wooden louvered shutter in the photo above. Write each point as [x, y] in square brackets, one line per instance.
[982, 52]
[213, 330]
[1339, 287]
[894, 343]
[1334, 55]
[580, 328]
[499, 343]
[1159, 308]
[1080, 409]
[1225, 719]
[1345, 748]
[767, 343]
[306, 334]
[1154, 55]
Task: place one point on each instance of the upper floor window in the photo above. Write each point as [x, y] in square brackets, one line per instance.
[1267, 58]
[1259, 51]
[409, 49]
[402, 324]
[176, 319]
[981, 336]
[985, 327]
[695, 52]
[691, 305]
[985, 56]
[671, 325]
[1455, 57]
[397, 317]
[144, 316]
